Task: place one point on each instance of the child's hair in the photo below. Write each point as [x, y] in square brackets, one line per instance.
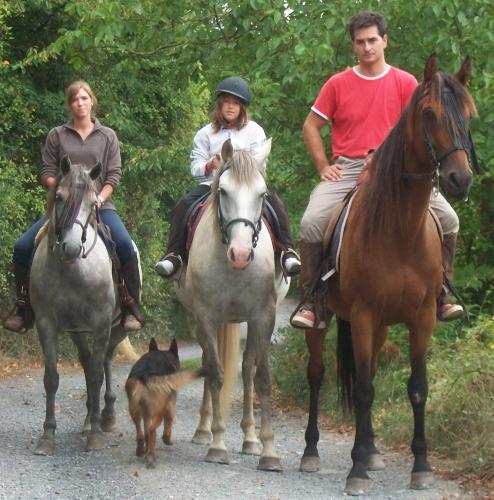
[219, 122]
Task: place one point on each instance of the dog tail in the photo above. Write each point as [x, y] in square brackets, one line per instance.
[165, 384]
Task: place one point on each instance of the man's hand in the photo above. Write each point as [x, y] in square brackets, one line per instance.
[330, 172]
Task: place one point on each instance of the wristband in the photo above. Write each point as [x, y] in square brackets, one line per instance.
[101, 200]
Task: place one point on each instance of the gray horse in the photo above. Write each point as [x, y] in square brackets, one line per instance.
[72, 290]
[225, 284]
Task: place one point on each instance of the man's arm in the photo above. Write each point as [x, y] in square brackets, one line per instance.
[315, 145]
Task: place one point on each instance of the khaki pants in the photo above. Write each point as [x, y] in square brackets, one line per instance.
[328, 194]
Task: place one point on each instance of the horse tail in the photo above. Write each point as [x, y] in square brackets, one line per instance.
[345, 364]
[229, 353]
[126, 350]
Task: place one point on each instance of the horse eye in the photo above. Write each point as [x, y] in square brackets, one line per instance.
[222, 192]
[429, 114]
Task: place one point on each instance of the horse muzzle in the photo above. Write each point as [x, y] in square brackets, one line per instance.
[456, 183]
[240, 257]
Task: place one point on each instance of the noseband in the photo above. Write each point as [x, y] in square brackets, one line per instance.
[93, 212]
[226, 225]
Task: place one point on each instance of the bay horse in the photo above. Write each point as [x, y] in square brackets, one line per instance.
[390, 265]
[72, 289]
[232, 277]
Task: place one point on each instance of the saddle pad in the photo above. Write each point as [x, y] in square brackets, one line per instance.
[334, 244]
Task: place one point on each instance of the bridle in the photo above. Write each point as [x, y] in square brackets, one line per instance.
[92, 218]
[226, 225]
[437, 159]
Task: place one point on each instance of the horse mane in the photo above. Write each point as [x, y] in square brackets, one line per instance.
[382, 192]
[75, 185]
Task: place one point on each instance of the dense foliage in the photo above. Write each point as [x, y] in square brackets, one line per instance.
[153, 65]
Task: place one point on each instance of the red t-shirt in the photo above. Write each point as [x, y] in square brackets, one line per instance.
[363, 109]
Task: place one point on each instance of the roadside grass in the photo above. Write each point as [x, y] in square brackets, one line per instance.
[460, 407]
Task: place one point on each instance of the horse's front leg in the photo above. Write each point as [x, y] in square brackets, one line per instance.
[48, 338]
[250, 445]
[84, 354]
[203, 433]
[95, 440]
[206, 334]
[422, 477]
[314, 339]
[261, 330]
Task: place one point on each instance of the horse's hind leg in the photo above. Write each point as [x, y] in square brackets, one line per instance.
[95, 440]
[422, 477]
[250, 445]
[108, 415]
[49, 344]
[314, 339]
[374, 461]
[203, 433]
[84, 355]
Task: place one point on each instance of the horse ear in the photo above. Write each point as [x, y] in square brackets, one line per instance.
[465, 72]
[174, 348]
[261, 152]
[95, 171]
[65, 164]
[431, 68]
[227, 150]
[153, 346]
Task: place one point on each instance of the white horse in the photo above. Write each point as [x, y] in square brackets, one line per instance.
[72, 289]
[232, 277]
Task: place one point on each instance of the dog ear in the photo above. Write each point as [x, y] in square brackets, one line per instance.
[174, 348]
[153, 346]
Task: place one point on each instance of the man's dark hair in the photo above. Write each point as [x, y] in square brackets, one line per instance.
[366, 20]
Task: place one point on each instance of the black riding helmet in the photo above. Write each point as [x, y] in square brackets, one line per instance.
[236, 86]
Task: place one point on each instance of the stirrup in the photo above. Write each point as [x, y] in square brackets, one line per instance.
[305, 318]
[449, 312]
[294, 267]
[175, 261]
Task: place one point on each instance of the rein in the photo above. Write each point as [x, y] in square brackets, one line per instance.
[224, 226]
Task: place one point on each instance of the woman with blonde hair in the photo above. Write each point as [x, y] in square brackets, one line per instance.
[86, 142]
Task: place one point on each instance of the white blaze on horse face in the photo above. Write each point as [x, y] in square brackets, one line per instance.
[241, 202]
[71, 244]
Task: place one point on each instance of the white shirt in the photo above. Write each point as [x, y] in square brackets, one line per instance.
[207, 143]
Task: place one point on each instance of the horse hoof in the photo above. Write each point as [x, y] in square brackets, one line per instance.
[150, 463]
[375, 462]
[421, 480]
[45, 447]
[357, 486]
[270, 464]
[108, 424]
[251, 448]
[202, 437]
[95, 441]
[217, 456]
[310, 464]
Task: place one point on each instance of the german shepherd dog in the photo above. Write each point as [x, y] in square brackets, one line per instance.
[152, 392]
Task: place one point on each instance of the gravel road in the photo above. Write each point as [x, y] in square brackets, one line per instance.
[181, 472]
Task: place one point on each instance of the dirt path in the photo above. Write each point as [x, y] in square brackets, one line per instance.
[181, 472]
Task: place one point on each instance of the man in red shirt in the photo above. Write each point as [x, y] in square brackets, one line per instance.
[362, 103]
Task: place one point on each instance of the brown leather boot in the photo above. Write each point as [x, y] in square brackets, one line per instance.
[446, 311]
[311, 255]
[21, 317]
[130, 295]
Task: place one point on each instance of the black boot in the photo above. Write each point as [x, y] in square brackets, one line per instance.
[21, 317]
[130, 295]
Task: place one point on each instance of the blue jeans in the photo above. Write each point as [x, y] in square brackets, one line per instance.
[24, 246]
